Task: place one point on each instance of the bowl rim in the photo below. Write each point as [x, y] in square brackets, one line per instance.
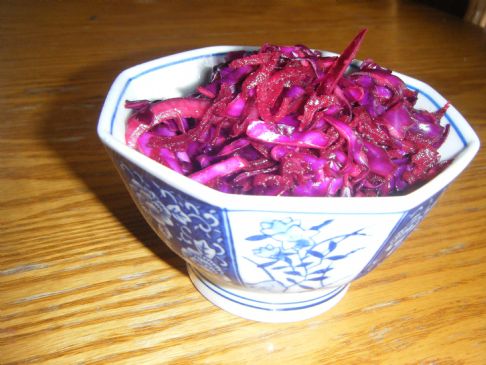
[235, 202]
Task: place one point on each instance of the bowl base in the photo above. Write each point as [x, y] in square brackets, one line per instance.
[267, 307]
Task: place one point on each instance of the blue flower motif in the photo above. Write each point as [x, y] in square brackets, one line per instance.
[293, 257]
[189, 227]
[177, 213]
[288, 231]
[203, 255]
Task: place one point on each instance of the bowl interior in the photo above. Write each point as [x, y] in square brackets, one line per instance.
[180, 74]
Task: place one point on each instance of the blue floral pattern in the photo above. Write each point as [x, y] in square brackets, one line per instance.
[282, 255]
[191, 228]
[400, 232]
[294, 257]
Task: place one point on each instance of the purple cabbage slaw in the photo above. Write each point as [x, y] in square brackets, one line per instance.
[285, 120]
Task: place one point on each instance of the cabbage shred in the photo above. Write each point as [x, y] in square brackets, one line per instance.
[285, 120]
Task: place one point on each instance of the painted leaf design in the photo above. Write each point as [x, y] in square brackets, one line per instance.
[305, 286]
[257, 237]
[296, 263]
[318, 279]
[304, 264]
[322, 271]
[265, 264]
[340, 257]
[287, 260]
[337, 257]
[292, 273]
[316, 254]
[332, 246]
[319, 226]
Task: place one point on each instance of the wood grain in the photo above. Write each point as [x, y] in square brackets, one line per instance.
[84, 280]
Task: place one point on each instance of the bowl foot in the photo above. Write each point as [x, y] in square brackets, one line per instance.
[267, 307]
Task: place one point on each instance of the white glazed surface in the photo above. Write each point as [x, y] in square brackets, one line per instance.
[264, 307]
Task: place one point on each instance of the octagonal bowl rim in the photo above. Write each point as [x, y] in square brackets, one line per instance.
[211, 196]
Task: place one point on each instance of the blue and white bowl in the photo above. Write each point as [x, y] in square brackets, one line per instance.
[271, 259]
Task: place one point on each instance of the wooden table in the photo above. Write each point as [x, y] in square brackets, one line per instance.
[83, 279]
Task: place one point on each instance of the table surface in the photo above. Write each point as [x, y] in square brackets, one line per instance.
[84, 280]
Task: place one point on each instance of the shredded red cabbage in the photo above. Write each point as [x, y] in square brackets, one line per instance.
[285, 120]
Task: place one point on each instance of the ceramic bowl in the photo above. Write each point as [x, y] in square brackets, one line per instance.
[272, 259]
